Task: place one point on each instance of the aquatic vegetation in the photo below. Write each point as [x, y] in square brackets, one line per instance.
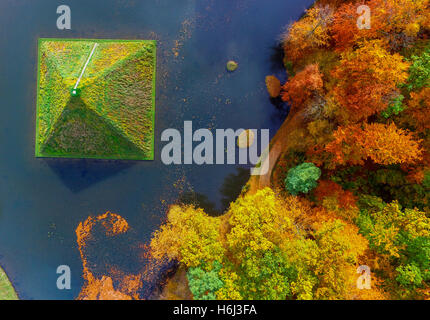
[232, 65]
[100, 287]
[112, 112]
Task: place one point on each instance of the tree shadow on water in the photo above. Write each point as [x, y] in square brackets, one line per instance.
[277, 60]
[282, 109]
[232, 186]
[199, 200]
[230, 189]
[79, 174]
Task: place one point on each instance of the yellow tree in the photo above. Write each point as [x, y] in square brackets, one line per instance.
[190, 236]
[308, 33]
[260, 222]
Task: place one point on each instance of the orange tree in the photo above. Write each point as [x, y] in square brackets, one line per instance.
[384, 144]
[366, 79]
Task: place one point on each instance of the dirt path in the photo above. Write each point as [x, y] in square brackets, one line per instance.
[280, 142]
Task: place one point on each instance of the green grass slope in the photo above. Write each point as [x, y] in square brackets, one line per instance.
[117, 88]
[80, 132]
[7, 291]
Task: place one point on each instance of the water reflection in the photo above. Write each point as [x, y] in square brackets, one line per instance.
[232, 186]
[199, 200]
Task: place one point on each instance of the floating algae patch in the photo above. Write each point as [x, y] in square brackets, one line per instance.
[105, 244]
[7, 291]
[96, 99]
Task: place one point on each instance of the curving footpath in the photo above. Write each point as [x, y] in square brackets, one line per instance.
[278, 145]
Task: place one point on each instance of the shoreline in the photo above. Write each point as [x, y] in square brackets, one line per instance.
[7, 285]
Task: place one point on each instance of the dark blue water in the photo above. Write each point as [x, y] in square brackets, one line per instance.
[42, 201]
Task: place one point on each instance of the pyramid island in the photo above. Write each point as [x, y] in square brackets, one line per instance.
[96, 99]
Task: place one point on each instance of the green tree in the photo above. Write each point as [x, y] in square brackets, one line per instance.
[395, 107]
[266, 275]
[302, 178]
[401, 237]
[409, 276]
[202, 283]
[419, 71]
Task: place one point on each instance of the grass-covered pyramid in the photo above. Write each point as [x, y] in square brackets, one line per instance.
[109, 114]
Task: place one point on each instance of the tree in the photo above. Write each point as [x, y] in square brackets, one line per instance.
[344, 27]
[254, 266]
[339, 247]
[396, 22]
[303, 86]
[367, 79]
[399, 21]
[308, 33]
[384, 144]
[409, 276]
[418, 109]
[269, 250]
[204, 284]
[395, 107]
[259, 222]
[302, 178]
[266, 276]
[419, 71]
[190, 236]
[335, 199]
[401, 237]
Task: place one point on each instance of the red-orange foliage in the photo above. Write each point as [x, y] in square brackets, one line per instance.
[344, 28]
[367, 79]
[397, 22]
[416, 175]
[328, 188]
[418, 108]
[102, 287]
[384, 144]
[304, 85]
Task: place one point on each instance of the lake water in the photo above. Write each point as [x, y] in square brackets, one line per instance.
[43, 200]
